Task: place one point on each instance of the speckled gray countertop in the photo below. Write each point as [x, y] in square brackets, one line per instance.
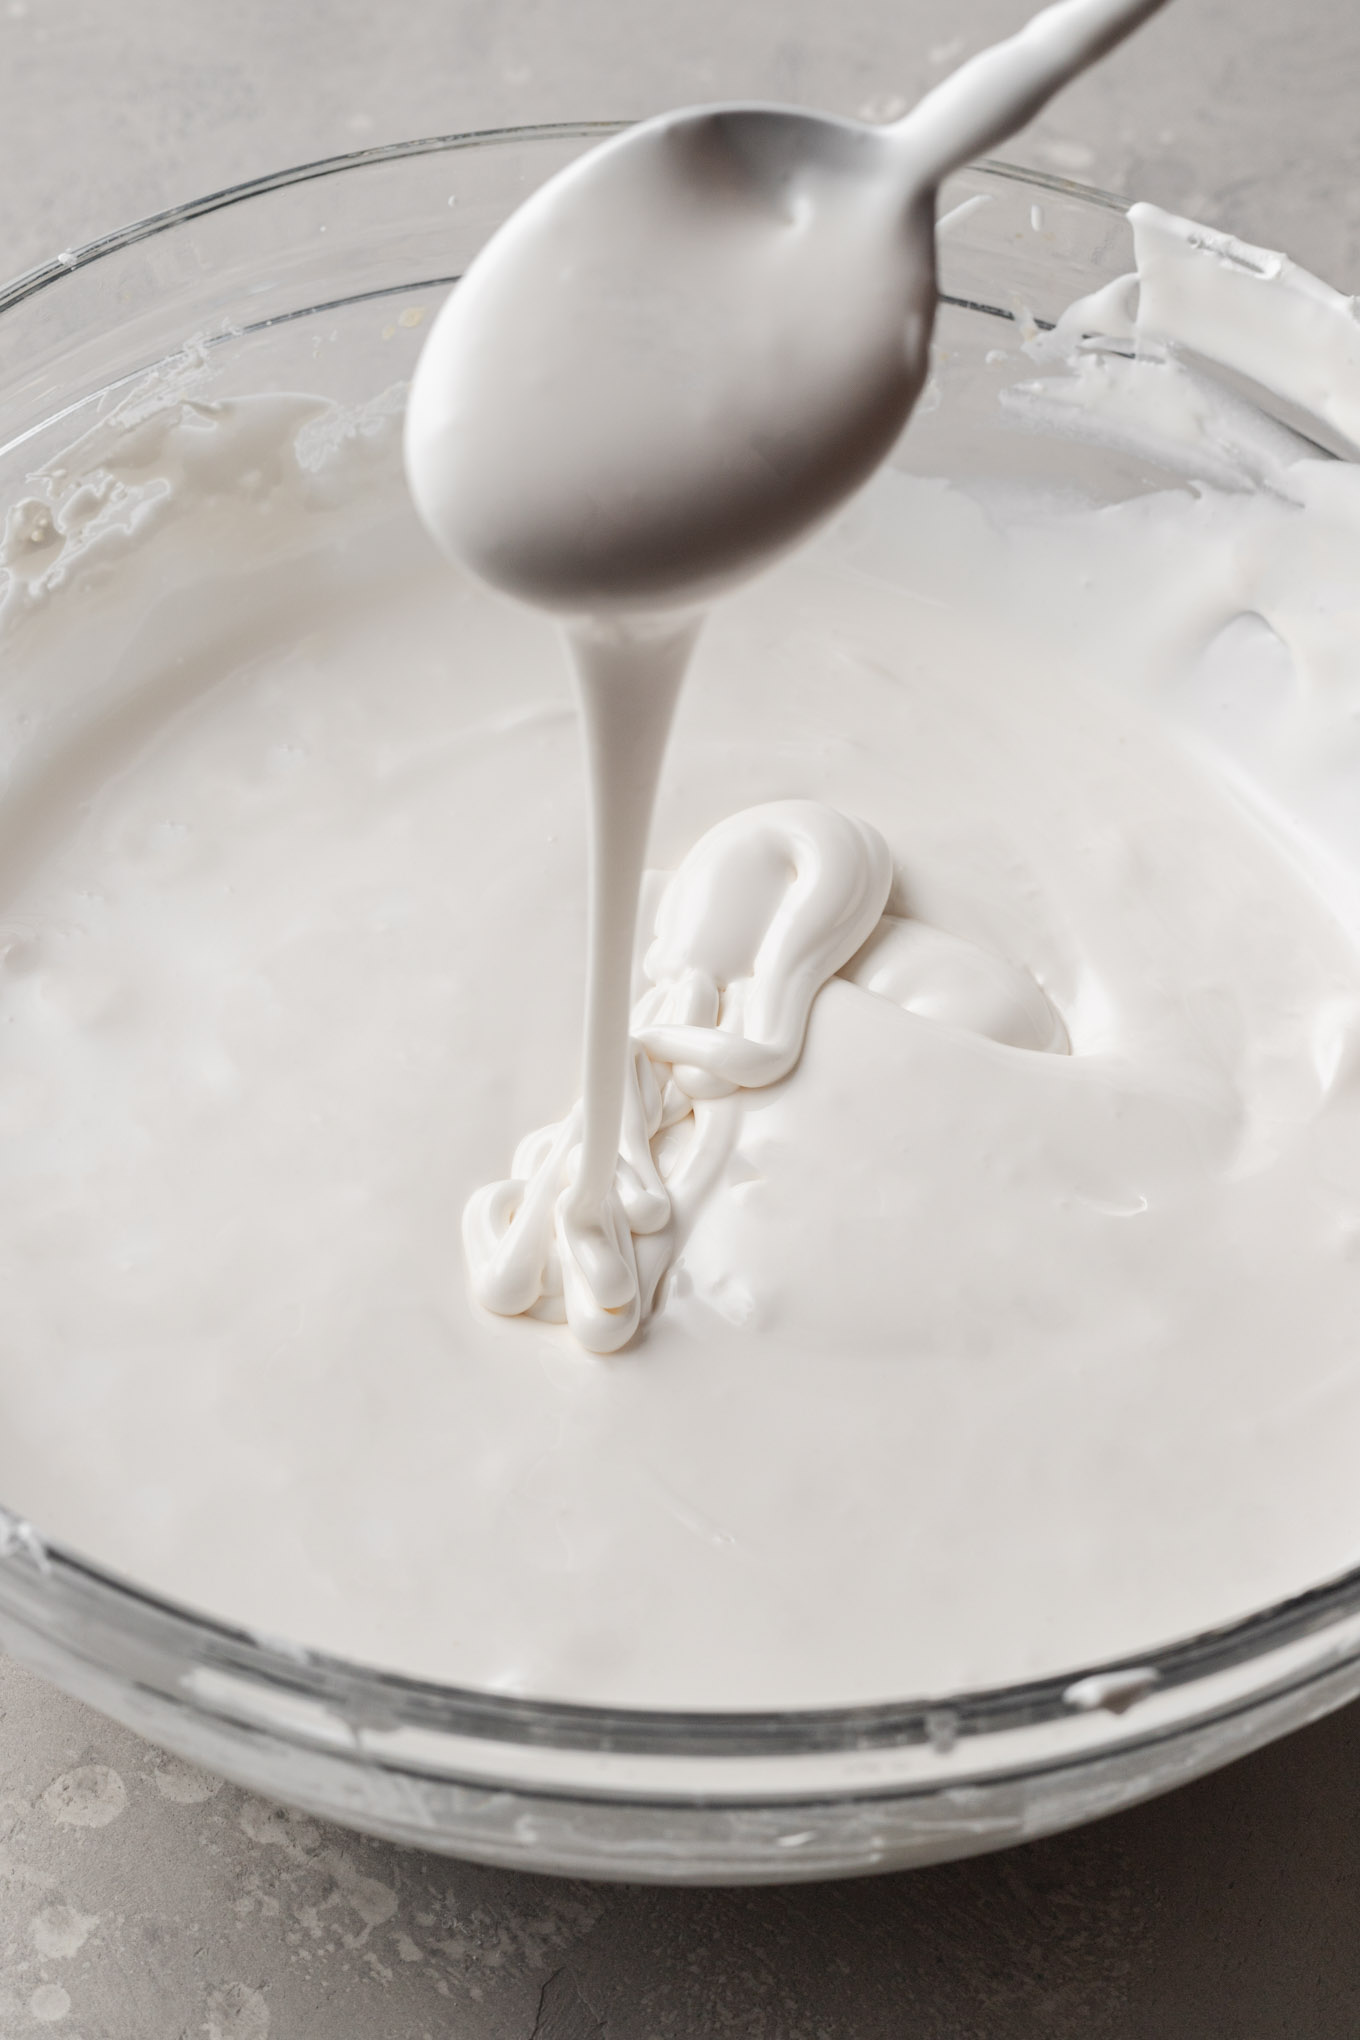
[140, 1900]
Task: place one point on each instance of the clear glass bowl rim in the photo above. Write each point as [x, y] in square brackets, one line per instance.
[36, 1574]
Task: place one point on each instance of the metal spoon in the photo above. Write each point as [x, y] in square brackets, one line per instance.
[691, 345]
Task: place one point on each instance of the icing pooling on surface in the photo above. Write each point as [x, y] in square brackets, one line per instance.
[765, 908]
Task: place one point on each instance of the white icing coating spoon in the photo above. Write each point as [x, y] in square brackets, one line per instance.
[693, 343]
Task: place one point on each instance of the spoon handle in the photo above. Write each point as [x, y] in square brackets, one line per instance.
[999, 90]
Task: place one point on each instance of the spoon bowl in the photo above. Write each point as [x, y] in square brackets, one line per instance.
[689, 348]
[675, 360]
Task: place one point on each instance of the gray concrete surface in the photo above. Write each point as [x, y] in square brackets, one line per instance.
[141, 1901]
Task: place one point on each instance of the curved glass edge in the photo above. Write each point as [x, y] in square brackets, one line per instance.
[166, 1637]
[362, 1694]
[1045, 180]
[31, 281]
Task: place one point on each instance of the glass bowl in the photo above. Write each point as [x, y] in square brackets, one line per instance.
[318, 278]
